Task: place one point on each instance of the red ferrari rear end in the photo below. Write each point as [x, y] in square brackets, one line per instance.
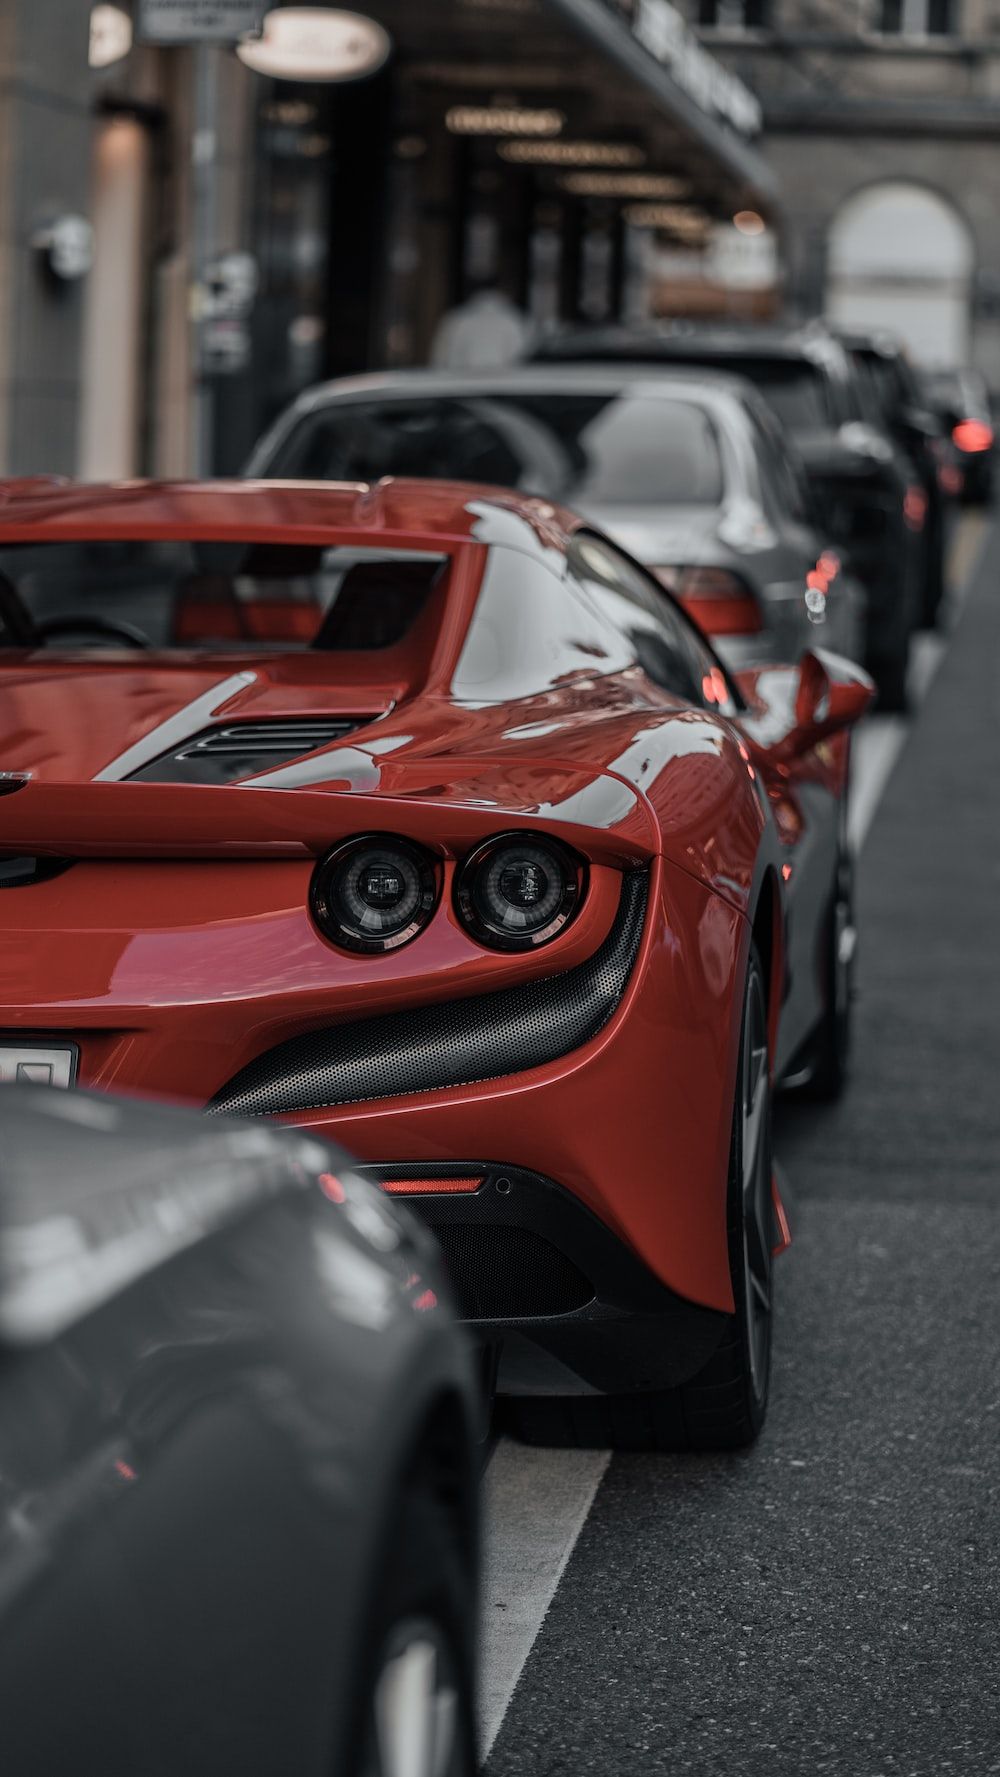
[251, 857]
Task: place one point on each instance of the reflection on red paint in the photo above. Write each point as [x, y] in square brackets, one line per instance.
[973, 435]
[331, 1187]
[125, 1469]
[425, 1302]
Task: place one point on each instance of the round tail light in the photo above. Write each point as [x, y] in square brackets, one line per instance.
[518, 891]
[374, 893]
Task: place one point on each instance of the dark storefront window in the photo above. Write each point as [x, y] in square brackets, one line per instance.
[734, 15]
[916, 18]
[293, 224]
[318, 228]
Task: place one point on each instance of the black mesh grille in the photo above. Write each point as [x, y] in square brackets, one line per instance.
[455, 1043]
[506, 1273]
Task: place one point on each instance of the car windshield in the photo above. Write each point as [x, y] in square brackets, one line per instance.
[605, 448]
[181, 594]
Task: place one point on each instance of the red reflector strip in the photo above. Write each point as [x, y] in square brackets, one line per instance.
[783, 1233]
[416, 1187]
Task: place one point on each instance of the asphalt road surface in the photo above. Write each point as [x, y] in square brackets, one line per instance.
[830, 1600]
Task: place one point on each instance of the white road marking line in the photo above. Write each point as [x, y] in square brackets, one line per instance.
[536, 1504]
[877, 745]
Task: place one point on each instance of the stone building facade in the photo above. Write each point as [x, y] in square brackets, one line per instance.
[882, 124]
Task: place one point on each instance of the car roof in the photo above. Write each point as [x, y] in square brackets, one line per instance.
[656, 381]
[677, 341]
[441, 512]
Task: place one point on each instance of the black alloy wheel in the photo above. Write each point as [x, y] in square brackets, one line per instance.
[724, 1406]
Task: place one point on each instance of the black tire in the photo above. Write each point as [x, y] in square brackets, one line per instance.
[830, 1064]
[423, 1612]
[724, 1406]
[932, 588]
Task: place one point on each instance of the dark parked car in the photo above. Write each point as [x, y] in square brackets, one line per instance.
[867, 488]
[689, 472]
[898, 404]
[237, 1457]
[962, 400]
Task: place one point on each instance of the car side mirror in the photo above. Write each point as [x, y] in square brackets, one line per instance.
[830, 694]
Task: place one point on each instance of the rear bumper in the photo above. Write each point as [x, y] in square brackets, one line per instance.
[173, 979]
[532, 1269]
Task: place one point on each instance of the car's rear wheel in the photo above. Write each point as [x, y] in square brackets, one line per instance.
[724, 1406]
[417, 1717]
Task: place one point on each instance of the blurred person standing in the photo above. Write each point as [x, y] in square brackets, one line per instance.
[485, 332]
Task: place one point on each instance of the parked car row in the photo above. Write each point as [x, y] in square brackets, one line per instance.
[465, 785]
[787, 485]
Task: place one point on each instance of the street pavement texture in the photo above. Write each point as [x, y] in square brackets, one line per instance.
[829, 1602]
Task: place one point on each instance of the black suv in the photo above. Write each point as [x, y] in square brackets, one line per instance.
[867, 489]
[898, 404]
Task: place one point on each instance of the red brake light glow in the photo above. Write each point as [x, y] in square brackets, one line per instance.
[972, 435]
[915, 508]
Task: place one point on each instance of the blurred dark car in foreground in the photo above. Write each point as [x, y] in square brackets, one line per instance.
[898, 403]
[237, 1478]
[962, 400]
[866, 488]
[688, 472]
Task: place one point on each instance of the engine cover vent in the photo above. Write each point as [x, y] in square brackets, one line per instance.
[242, 749]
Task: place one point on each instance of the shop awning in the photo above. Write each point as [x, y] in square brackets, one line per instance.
[655, 47]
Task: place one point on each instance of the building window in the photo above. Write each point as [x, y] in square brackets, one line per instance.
[733, 15]
[916, 18]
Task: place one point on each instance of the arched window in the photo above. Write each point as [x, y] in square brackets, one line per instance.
[901, 258]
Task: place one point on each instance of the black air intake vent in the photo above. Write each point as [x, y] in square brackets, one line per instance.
[242, 749]
[450, 1043]
[502, 1273]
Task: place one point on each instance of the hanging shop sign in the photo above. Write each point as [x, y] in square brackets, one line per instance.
[180, 22]
[317, 43]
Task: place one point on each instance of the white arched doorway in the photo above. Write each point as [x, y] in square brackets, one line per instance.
[901, 257]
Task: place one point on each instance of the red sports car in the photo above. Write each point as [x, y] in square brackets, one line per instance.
[420, 815]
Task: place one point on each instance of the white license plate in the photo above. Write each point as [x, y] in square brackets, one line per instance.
[33, 1064]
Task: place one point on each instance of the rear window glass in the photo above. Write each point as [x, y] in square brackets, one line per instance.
[607, 447]
[795, 388]
[240, 596]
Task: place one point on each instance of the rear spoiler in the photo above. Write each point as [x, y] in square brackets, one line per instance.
[596, 811]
